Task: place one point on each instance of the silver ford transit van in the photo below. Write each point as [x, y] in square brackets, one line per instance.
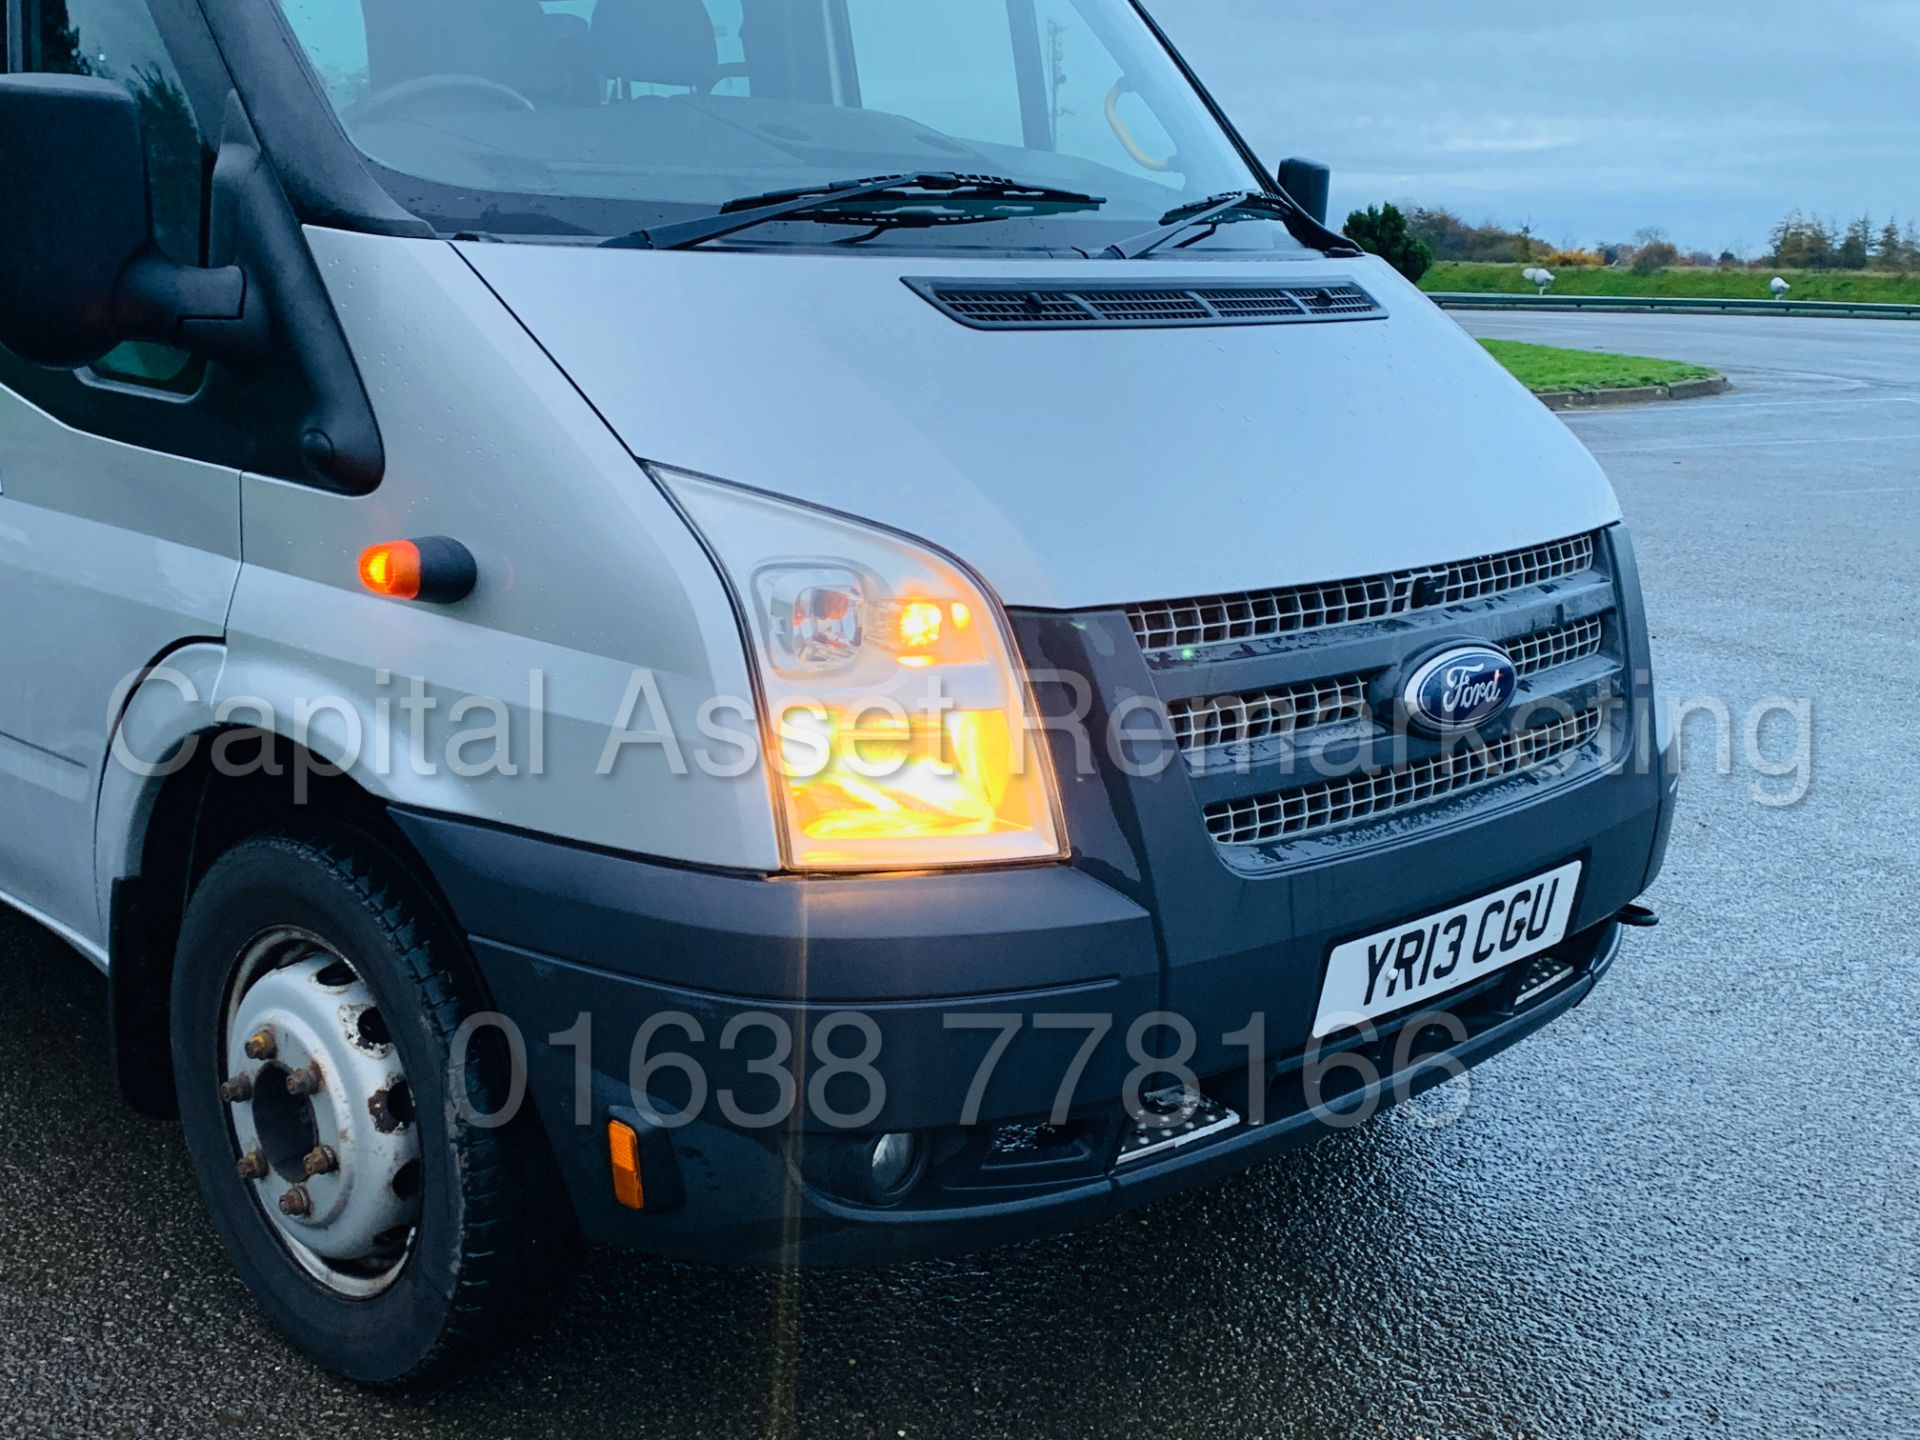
[782, 631]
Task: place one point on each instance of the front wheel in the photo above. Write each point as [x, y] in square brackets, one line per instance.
[384, 1224]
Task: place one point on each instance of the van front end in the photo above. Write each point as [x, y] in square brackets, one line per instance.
[979, 1057]
[776, 632]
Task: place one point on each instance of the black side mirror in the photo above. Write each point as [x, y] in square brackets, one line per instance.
[79, 272]
[1309, 183]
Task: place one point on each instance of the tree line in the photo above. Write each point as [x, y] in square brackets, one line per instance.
[1799, 241]
[1806, 242]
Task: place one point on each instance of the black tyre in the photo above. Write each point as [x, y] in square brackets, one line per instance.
[317, 997]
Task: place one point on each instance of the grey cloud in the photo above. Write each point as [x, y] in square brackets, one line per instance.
[1711, 120]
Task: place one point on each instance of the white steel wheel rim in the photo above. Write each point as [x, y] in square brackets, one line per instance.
[350, 1219]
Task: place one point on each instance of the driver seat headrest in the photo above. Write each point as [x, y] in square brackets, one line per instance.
[656, 42]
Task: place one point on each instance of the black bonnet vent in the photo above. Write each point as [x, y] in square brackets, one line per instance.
[1065, 305]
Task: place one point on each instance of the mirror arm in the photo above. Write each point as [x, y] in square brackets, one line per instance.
[211, 313]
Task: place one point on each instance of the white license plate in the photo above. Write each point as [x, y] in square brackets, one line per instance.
[1411, 963]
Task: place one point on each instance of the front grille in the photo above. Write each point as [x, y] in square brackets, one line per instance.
[1256, 615]
[1514, 570]
[1261, 614]
[1354, 798]
[1239, 719]
[1205, 721]
[1546, 649]
[1045, 305]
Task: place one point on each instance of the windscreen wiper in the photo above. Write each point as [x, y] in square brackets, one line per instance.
[818, 201]
[1216, 208]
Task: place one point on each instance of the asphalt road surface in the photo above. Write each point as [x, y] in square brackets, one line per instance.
[1688, 1209]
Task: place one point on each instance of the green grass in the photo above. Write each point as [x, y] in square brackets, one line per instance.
[1543, 367]
[1865, 286]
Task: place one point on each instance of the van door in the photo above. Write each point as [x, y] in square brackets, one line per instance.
[112, 552]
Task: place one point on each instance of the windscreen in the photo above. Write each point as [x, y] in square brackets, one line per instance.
[600, 117]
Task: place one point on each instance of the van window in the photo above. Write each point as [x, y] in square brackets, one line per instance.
[950, 66]
[336, 43]
[596, 117]
[118, 40]
[335, 39]
[957, 66]
[1083, 79]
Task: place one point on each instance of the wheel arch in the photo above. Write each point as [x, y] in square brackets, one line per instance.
[182, 786]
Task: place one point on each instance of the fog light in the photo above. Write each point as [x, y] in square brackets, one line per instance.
[892, 1163]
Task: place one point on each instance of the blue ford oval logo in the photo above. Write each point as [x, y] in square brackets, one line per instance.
[1460, 689]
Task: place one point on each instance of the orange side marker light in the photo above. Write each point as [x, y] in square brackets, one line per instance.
[432, 568]
[392, 569]
[623, 1147]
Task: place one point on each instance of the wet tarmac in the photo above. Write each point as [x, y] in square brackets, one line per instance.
[1687, 1209]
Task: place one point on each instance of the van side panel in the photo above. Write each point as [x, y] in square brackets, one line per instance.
[110, 555]
[569, 695]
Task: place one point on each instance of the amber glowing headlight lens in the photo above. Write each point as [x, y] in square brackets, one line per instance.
[919, 624]
[898, 723]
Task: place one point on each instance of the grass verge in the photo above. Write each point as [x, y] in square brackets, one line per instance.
[1546, 368]
[1864, 286]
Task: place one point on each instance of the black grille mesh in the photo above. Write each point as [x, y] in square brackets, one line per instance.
[1546, 649]
[1260, 614]
[1054, 305]
[1202, 722]
[1351, 799]
[1008, 308]
[1241, 719]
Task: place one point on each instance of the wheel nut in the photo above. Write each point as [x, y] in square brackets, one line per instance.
[261, 1045]
[296, 1202]
[252, 1166]
[322, 1161]
[239, 1088]
[305, 1081]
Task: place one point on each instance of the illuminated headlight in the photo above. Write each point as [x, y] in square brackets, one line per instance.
[899, 723]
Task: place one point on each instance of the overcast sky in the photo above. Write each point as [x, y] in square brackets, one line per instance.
[1708, 119]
